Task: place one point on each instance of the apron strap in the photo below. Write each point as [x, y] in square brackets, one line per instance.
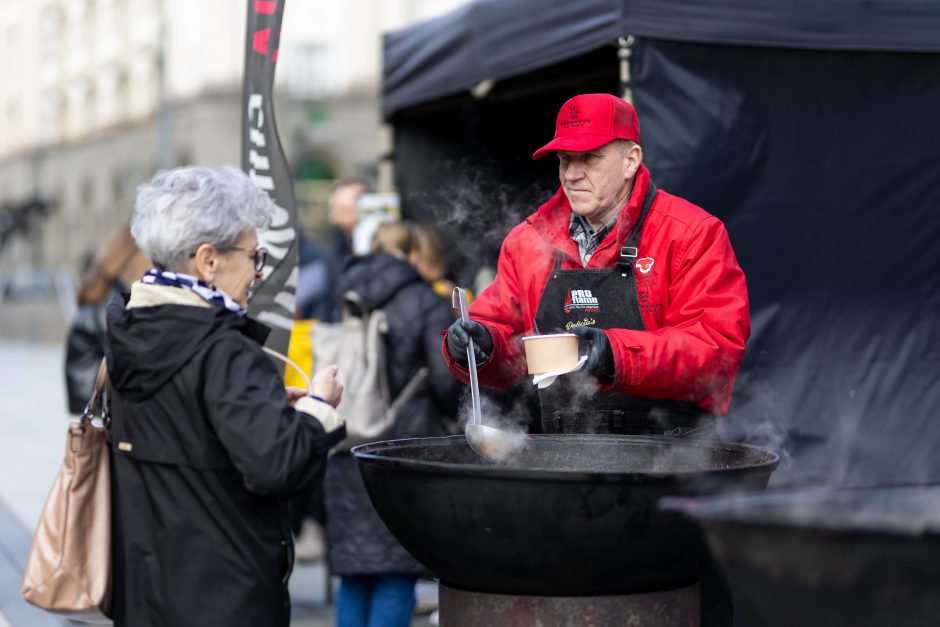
[628, 252]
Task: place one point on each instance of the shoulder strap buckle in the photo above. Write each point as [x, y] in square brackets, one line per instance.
[627, 257]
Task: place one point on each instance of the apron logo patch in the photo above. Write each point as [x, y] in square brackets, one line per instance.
[581, 301]
[645, 264]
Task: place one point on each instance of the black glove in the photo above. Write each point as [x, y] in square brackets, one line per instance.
[600, 361]
[458, 338]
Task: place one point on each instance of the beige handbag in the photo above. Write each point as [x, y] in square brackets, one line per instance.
[68, 570]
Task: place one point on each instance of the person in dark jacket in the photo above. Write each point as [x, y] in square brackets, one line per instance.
[206, 441]
[344, 216]
[378, 575]
[116, 264]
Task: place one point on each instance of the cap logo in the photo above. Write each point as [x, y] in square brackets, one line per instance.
[573, 113]
[575, 122]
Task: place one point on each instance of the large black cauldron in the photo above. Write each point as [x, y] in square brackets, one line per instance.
[828, 557]
[572, 515]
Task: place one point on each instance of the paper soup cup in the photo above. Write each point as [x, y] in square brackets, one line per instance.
[552, 352]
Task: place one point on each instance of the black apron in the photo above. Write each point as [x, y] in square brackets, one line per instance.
[606, 298]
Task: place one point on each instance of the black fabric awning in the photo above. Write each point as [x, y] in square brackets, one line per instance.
[490, 40]
[870, 25]
[498, 39]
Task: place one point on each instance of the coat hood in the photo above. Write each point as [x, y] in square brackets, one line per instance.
[147, 344]
[376, 278]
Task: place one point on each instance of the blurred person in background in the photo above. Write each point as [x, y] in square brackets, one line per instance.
[344, 215]
[378, 576]
[430, 259]
[318, 267]
[117, 263]
[207, 443]
[314, 301]
[315, 282]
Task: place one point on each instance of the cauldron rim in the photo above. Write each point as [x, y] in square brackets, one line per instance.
[366, 453]
[757, 510]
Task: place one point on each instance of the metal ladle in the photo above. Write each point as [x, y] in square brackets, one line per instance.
[485, 441]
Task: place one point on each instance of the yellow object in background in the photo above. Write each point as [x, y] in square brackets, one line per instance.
[445, 288]
[300, 348]
[300, 351]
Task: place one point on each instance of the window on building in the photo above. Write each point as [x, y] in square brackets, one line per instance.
[13, 121]
[308, 70]
[52, 31]
[87, 9]
[52, 113]
[121, 94]
[91, 107]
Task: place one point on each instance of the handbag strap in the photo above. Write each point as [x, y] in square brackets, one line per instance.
[408, 392]
[99, 397]
[287, 360]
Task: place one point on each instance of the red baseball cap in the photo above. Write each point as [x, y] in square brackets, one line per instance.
[590, 121]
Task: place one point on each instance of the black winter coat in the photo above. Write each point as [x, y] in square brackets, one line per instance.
[205, 447]
[359, 542]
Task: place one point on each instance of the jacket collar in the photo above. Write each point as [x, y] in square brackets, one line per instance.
[147, 295]
[553, 218]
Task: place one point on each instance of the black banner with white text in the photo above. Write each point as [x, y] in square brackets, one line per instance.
[273, 295]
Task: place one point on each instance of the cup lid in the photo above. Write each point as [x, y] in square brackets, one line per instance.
[547, 335]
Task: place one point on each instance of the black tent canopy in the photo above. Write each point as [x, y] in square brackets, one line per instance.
[496, 39]
[809, 128]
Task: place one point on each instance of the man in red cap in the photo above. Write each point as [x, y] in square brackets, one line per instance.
[647, 280]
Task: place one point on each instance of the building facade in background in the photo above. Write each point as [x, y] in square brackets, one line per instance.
[98, 94]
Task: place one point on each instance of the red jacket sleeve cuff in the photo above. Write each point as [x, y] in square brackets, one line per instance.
[626, 364]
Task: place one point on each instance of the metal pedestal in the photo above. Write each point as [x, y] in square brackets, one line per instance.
[670, 608]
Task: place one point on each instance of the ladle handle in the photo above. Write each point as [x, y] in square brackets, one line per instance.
[460, 295]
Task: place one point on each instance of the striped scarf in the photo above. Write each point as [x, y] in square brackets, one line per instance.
[207, 292]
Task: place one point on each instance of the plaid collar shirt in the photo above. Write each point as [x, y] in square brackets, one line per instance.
[587, 238]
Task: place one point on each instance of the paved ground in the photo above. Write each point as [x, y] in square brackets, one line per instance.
[33, 420]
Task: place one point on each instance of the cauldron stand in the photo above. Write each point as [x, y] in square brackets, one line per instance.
[669, 608]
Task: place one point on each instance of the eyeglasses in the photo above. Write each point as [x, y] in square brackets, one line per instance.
[258, 255]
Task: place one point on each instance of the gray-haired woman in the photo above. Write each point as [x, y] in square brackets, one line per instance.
[207, 442]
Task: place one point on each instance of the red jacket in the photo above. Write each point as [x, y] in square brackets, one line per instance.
[693, 299]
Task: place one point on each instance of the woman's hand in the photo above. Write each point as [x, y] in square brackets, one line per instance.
[294, 393]
[326, 386]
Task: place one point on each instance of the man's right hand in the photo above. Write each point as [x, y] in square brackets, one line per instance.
[458, 338]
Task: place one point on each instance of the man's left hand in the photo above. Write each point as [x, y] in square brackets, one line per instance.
[600, 361]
